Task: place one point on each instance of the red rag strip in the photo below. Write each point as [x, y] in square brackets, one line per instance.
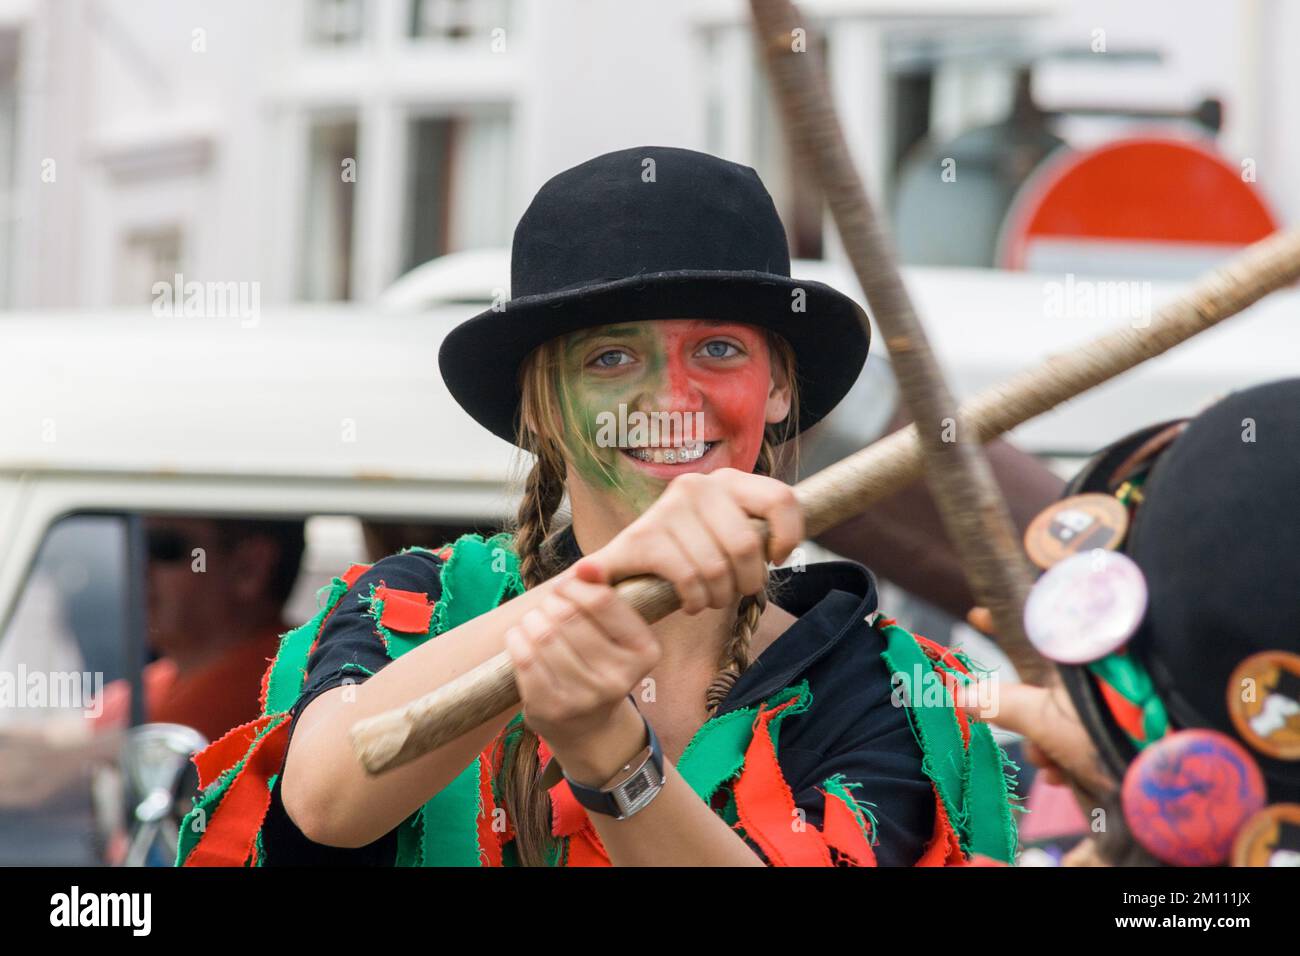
[223, 753]
[844, 835]
[489, 840]
[232, 832]
[944, 848]
[766, 808]
[1126, 713]
[354, 572]
[585, 849]
[265, 686]
[569, 819]
[406, 611]
[940, 653]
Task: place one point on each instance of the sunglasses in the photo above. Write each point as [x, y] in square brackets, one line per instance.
[167, 547]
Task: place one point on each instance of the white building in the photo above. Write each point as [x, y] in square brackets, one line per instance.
[323, 147]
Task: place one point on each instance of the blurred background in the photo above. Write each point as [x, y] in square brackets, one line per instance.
[207, 138]
[233, 234]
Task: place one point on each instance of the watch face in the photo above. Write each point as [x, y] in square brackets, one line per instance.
[637, 791]
[635, 787]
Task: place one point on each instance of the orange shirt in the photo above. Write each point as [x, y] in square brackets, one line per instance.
[212, 699]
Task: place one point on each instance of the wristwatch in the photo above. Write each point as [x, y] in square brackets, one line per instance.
[631, 789]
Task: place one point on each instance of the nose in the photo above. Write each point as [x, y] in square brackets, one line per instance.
[674, 390]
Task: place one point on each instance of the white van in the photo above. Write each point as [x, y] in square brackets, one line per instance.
[337, 415]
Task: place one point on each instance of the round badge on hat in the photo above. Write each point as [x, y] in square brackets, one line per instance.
[1189, 793]
[1086, 606]
[1270, 838]
[1075, 525]
[1264, 703]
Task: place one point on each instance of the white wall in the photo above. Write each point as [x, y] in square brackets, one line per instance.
[113, 85]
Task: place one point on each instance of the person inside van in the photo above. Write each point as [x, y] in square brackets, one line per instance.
[216, 590]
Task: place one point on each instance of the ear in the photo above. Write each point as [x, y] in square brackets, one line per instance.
[778, 395]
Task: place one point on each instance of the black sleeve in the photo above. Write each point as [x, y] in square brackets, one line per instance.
[350, 648]
[853, 729]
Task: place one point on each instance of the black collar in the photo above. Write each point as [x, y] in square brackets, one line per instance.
[829, 599]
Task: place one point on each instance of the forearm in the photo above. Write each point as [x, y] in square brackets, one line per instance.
[677, 828]
[326, 791]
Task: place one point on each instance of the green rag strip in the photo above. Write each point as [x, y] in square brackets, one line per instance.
[1132, 682]
[449, 822]
[861, 809]
[969, 779]
[936, 728]
[477, 577]
[716, 753]
[992, 827]
[289, 670]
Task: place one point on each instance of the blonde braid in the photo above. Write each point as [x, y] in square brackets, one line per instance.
[735, 654]
[543, 493]
[527, 805]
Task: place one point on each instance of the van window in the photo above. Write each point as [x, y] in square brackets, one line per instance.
[220, 590]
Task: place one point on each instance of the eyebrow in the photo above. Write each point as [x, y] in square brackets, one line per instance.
[605, 330]
[582, 336]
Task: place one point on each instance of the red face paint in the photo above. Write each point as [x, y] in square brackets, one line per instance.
[712, 379]
[731, 392]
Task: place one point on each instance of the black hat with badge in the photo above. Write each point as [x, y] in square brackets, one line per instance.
[653, 232]
[1215, 531]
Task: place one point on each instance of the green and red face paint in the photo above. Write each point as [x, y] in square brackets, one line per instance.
[718, 374]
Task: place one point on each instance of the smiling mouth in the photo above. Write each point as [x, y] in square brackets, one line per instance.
[682, 454]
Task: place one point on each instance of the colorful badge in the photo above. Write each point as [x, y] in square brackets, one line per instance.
[1086, 607]
[1187, 795]
[1264, 703]
[1270, 838]
[1075, 525]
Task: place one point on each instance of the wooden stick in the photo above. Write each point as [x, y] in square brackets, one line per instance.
[853, 485]
[961, 481]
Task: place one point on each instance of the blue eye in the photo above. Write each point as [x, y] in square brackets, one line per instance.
[612, 359]
[719, 349]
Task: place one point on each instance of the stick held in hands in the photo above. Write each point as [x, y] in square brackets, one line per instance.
[849, 487]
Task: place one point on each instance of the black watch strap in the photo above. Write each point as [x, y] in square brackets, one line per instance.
[634, 792]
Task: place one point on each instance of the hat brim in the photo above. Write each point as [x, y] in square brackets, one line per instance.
[830, 336]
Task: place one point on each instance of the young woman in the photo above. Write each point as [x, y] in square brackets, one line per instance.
[654, 360]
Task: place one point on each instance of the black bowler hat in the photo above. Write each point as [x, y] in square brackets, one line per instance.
[652, 233]
[1216, 535]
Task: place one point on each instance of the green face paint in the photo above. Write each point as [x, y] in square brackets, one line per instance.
[707, 382]
[586, 398]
